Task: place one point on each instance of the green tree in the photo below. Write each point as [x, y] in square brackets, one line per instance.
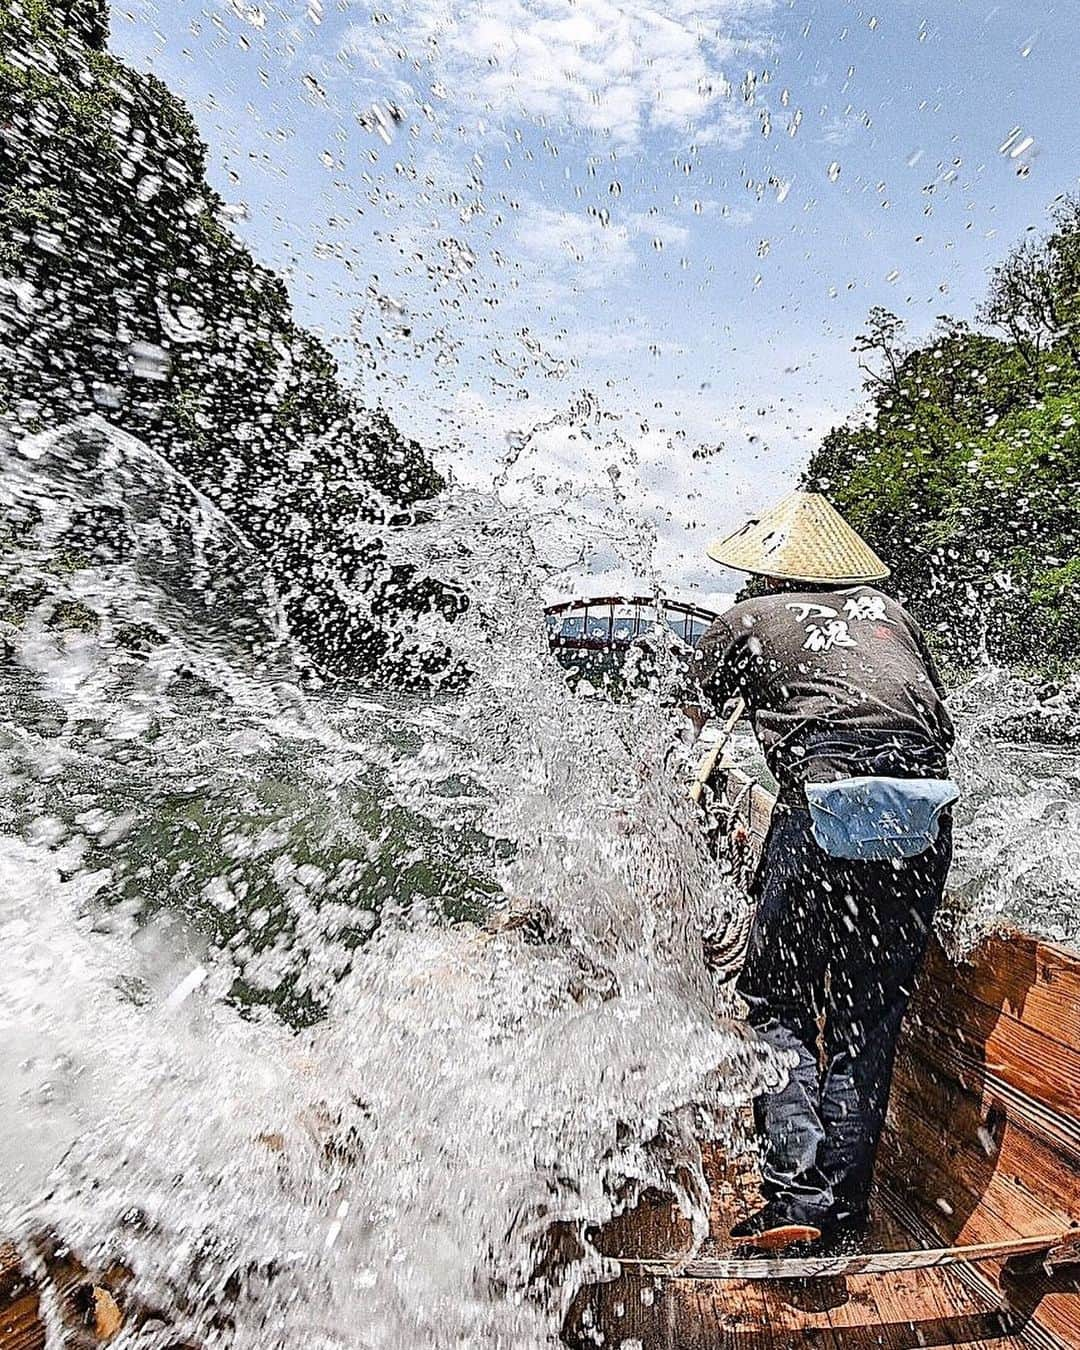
[965, 474]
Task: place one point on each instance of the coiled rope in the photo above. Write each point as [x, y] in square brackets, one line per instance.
[725, 949]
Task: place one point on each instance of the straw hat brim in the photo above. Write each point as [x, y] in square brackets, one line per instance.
[820, 579]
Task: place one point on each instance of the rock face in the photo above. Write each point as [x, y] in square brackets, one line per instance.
[125, 293]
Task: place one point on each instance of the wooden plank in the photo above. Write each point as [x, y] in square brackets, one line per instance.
[742, 1322]
[967, 1205]
[20, 1323]
[1056, 1243]
[994, 1140]
[626, 1309]
[654, 1226]
[1034, 982]
[925, 1177]
[1019, 1055]
[942, 1060]
[93, 1306]
[949, 1314]
[1045, 1312]
[865, 1313]
[946, 1087]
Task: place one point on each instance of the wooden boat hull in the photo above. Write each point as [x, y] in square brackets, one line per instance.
[982, 1145]
[88, 1309]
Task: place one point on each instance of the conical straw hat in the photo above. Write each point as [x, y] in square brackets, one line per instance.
[803, 538]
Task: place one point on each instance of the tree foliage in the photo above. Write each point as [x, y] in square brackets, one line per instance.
[126, 293]
[965, 473]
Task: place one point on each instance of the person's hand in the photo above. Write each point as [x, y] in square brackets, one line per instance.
[696, 715]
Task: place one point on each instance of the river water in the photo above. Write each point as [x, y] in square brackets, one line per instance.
[262, 1035]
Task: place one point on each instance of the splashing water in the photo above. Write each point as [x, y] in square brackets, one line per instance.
[339, 1016]
[264, 1040]
[1018, 848]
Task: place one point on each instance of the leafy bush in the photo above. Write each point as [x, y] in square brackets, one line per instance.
[965, 473]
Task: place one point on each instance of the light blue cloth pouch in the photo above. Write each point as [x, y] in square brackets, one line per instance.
[877, 819]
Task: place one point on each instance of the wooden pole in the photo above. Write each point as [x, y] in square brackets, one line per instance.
[710, 761]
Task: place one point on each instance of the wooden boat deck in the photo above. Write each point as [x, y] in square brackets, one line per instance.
[914, 1308]
[982, 1144]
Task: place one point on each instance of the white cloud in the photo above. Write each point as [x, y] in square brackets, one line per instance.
[577, 238]
[618, 67]
[598, 251]
[655, 226]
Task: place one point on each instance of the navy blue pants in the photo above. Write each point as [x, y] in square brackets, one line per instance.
[833, 955]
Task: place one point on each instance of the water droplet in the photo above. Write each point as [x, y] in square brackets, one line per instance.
[148, 187]
[1003, 148]
[186, 987]
[148, 361]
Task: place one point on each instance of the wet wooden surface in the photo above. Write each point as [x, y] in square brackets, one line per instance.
[905, 1309]
[983, 1136]
[20, 1323]
[87, 1309]
[982, 1142]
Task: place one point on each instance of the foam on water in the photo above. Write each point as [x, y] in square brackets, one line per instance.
[1017, 859]
[263, 1054]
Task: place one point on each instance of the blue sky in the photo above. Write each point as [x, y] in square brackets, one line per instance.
[598, 235]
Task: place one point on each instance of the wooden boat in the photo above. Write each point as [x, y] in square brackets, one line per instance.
[982, 1145]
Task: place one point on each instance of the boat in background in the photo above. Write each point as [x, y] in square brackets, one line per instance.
[610, 623]
[592, 636]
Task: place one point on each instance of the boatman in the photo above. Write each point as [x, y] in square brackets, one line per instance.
[848, 708]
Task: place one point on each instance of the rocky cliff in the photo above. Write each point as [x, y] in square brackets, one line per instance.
[123, 291]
